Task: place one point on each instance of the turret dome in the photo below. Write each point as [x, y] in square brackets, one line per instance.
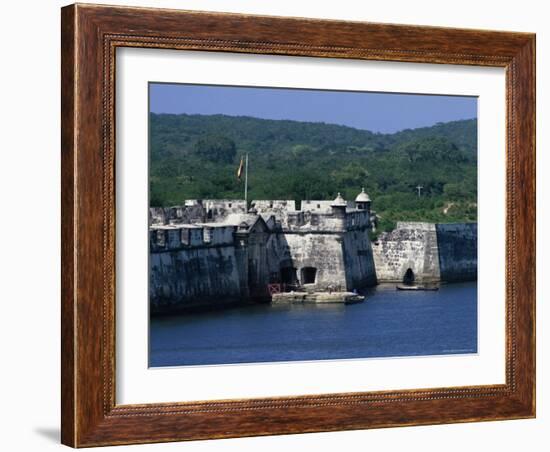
[362, 197]
[339, 201]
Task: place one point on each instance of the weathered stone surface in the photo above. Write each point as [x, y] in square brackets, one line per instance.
[227, 255]
[317, 297]
[433, 252]
[324, 252]
[210, 253]
[196, 277]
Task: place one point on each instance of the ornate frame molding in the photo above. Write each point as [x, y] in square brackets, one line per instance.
[90, 37]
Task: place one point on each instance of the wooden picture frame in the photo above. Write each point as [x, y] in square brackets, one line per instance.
[90, 36]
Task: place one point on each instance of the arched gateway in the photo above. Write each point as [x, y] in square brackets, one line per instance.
[408, 278]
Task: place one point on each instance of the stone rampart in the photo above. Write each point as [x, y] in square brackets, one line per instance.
[197, 277]
[209, 253]
[432, 252]
[457, 244]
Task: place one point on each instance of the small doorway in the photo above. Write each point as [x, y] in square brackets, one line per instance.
[308, 275]
[408, 278]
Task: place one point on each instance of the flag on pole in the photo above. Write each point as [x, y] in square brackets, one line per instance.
[240, 170]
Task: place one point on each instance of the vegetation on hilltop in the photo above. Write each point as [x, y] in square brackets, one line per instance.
[196, 156]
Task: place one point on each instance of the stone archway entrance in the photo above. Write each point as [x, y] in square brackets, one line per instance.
[408, 277]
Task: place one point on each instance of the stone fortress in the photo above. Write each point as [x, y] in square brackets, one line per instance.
[208, 253]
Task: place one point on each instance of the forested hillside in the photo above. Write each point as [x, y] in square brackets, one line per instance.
[196, 156]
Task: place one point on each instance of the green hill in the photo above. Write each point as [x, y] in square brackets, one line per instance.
[196, 156]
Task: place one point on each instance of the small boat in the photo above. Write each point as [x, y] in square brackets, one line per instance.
[415, 287]
[354, 299]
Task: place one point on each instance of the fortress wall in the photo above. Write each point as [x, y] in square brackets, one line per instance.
[417, 225]
[195, 277]
[359, 262]
[196, 211]
[320, 222]
[341, 260]
[300, 221]
[215, 234]
[322, 251]
[446, 252]
[457, 251]
[258, 269]
[223, 207]
[410, 245]
[357, 219]
[277, 208]
[173, 238]
[316, 206]
[321, 206]
[283, 205]
[277, 253]
[176, 215]
[157, 215]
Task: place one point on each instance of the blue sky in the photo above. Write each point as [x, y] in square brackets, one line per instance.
[378, 112]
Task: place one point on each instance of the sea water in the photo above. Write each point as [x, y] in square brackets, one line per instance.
[389, 323]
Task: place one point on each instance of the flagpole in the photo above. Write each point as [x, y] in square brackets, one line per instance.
[246, 182]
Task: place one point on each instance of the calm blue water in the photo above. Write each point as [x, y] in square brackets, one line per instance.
[388, 323]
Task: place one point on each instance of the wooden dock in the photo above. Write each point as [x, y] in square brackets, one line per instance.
[316, 297]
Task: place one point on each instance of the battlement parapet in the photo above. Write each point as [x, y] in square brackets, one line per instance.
[278, 214]
[337, 215]
[220, 208]
[174, 237]
[186, 214]
[196, 211]
[323, 220]
[274, 205]
[419, 225]
[322, 206]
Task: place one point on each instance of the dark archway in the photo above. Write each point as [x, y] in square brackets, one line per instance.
[288, 276]
[408, 278]
[308, 275]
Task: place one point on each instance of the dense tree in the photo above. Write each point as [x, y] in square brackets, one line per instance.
[216, 148]
[196, 156]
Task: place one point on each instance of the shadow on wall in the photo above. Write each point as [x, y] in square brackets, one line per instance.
[457, 245]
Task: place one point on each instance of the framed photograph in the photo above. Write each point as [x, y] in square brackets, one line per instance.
[281, 225]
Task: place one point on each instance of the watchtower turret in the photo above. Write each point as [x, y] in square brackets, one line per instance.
[362, 201]
[339, 206]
